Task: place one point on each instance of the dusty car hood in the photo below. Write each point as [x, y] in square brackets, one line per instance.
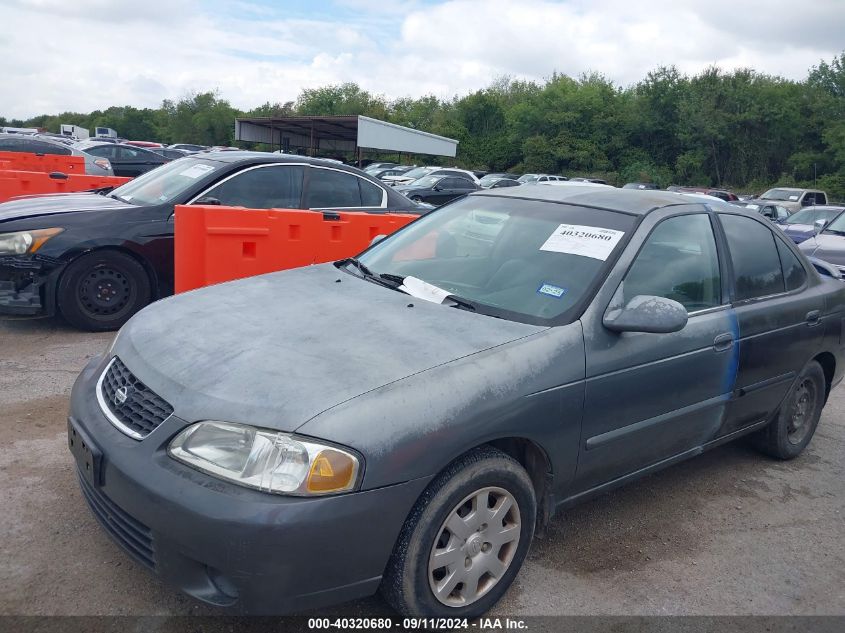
[827, 247]
[278, 349]
[57, 203]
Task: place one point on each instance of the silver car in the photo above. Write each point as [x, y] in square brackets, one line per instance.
[38, 144]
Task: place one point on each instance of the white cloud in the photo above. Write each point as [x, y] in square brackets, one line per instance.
[90, 54]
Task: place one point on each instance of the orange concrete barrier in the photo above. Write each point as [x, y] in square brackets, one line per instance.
[27, 183]
[24, 161]
[214, 244]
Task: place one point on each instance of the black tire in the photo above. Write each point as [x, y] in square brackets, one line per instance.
[796, 420]
[408, 581]
[101, 290]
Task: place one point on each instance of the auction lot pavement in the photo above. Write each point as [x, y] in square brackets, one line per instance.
[728, 533]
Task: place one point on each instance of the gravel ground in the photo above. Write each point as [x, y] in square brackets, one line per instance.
[727, 533]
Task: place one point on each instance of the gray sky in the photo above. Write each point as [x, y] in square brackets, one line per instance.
[82, 55]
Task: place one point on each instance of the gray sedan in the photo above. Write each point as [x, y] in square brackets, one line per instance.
[405, 420]
[38, 144]
[828, 244]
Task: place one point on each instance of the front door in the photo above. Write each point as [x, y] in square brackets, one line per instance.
[653, 396]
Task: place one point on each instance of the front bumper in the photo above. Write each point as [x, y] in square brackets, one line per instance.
[228, 545]
[27, 285]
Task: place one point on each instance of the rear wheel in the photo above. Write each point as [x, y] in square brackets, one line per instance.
[795, 422]
[100, 291]
[465, 540]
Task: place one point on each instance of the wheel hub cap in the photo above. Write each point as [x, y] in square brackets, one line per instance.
[474, 547]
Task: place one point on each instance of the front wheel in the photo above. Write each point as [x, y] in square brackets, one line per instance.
[465, 540]
[99, 291]
[794, 424]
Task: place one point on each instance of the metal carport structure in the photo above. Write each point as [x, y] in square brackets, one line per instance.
[353, 133]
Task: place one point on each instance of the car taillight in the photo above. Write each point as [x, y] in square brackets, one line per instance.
[103, 163]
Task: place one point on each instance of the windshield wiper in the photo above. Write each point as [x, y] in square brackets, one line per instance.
[388, 281]
[461, 304]
[362, 268]
[834, 231]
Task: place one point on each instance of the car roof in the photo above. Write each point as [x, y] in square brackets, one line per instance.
[632, 201]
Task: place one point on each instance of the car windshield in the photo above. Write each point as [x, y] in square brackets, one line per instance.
[522, 260]
[811, 214]
[528, 177]
[165, 183]
[428, 181]
[416, 172]
[788, 195]
[837, 226]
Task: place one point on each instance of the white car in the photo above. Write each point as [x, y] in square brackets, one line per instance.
[409, 176]
[454, 171]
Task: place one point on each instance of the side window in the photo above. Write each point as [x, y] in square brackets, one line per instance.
[678, 261]
[103, 151]
[10, 145]
[275, 187]
[809, 199]
[129, 153]
[329, 189]
[821, 198]
[756, 264]
[371, 195]
[793, 271]
[449, 183]
[38, 147]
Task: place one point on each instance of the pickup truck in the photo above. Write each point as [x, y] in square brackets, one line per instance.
[794, 199]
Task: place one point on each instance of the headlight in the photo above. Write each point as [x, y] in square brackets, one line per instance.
[24, 242]
[270, 461]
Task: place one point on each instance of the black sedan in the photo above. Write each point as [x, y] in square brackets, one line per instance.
[126, 160]
[438, 190]
[98, 259]
[405, 420]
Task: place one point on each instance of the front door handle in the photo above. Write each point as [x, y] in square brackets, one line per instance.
[814, 317]
[723, 342]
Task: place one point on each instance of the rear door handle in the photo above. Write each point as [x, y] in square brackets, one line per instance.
[814, 317]
[723, 342]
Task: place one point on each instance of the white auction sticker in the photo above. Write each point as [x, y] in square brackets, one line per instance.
[587, 241]
[196, 171]
[423, 290]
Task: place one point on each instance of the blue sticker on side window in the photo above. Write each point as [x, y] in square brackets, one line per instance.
[551, 291]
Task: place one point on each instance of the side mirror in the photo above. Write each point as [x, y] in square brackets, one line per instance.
[645, 313]
[377, 239]
[818, 226]
[208, 201]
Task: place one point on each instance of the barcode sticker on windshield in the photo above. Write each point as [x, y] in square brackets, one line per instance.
[196, 171]
[587, 241]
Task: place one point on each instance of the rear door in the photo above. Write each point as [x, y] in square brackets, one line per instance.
[650, 397]
[777, 317]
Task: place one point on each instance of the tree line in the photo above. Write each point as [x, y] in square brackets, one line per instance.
[741, 129]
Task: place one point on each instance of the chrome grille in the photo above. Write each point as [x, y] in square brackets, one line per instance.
[128, 403]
